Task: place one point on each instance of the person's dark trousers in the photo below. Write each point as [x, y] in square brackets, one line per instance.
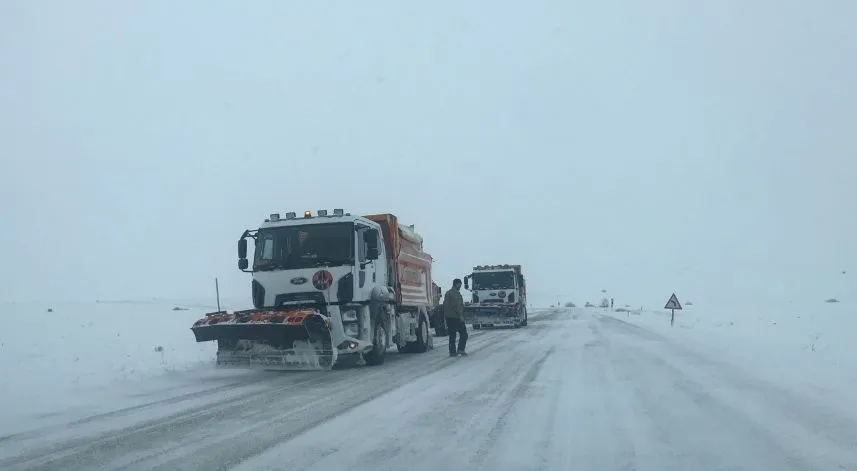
[456, 326]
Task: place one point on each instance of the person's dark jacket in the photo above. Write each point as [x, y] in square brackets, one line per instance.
[453, 304]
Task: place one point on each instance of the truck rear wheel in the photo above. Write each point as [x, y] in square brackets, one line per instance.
[422, 343]
[379, 346]
[423, 338]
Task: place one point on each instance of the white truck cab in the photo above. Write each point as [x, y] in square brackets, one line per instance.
[324, 286]
[498, 296]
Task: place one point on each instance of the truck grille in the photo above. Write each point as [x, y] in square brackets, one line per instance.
[307, 297]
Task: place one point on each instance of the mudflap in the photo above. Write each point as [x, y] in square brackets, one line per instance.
[307, 346]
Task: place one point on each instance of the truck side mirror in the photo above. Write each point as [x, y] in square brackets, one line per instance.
[242, 248]
[372, 253]
[372, 249]
[466, 285]
[242, 263]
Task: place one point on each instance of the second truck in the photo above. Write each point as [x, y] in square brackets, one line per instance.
[327, 289]
[498, 297]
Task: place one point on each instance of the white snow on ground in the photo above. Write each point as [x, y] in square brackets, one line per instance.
[591, 393]
[89, 358]
[808, 346]
[581, 389]
[58, 361]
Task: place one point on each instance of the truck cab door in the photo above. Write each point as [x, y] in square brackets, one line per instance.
[368, 255]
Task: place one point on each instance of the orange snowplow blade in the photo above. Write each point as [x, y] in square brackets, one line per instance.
[290, 339]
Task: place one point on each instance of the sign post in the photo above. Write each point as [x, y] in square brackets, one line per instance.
[673, 305]
[217, 290]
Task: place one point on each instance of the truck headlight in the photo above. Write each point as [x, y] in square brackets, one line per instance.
[352, 330]
[349, 315]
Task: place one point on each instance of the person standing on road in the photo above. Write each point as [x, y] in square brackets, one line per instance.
[453, 310]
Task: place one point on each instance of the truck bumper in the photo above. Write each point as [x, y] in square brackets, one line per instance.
[497, 321]
[493, 316]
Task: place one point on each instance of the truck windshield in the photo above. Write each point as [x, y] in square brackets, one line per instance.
[311, 245]
[494, 280]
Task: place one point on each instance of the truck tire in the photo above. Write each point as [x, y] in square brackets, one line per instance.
[422, 343]
[525, 317]
[379, 346]
[423, 339]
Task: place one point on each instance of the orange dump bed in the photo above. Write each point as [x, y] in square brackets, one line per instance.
[412, 266]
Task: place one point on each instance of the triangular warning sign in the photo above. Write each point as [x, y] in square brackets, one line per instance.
[673, 303]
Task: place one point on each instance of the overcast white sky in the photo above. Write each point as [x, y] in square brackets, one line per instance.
[643, 147]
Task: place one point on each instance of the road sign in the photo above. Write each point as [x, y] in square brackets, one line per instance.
[673, 303]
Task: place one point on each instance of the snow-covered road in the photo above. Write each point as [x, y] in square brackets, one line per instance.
[575, 390]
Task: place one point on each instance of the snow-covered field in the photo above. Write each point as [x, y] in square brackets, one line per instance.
[79, 355]
[589, 389]
[809, 347]
[87, 358]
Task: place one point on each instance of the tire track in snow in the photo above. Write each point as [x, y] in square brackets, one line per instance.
[152, 430]
[172, 440]
[618, 421]
[280, 428]
[505, 405]
[818, 417]
[579, 418]
[763, 425]
[41, 431]
[441, 420]
[70, 433]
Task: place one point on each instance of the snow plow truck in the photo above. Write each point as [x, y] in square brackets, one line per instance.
[499, 297]
[327, 290]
